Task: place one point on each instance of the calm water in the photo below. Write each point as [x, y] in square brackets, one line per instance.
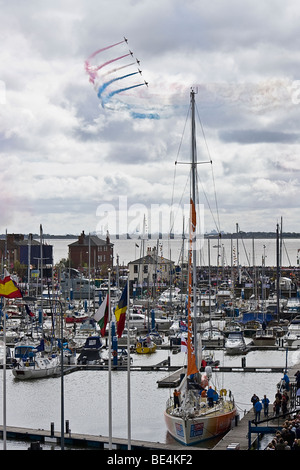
[35, 404]
[128, 251]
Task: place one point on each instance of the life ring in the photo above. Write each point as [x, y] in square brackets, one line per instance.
[223, 392]
[114, 353]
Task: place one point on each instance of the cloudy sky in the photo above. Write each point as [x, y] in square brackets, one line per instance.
[68, 155]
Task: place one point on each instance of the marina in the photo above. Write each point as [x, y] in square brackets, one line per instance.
[87, 386]
[154, 376]
[70, 324]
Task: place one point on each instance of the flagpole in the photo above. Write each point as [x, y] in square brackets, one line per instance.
[4, 357]
[4, 376]
[109, 369]
[128, 373]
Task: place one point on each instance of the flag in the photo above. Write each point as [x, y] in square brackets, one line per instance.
[183, 326]
[28, 311]
[183, 347]
[8, 289]
[120, 312]
[101, 316]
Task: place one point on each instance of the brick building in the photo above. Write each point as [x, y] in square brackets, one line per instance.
[100, 255]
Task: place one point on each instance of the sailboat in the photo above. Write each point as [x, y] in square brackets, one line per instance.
[202, 412]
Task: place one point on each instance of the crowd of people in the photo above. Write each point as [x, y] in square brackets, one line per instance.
[288, 438]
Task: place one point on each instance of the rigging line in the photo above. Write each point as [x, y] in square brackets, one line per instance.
[213, 177]
[286, 252]
[174, 177]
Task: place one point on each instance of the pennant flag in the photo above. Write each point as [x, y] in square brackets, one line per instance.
[120, 312]
[28, 311]
[183, 326]
[183, 344]
[8, 289]
[101, 316]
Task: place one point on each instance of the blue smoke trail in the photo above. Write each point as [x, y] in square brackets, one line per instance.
[106, 84]
[112, 93]
[144, 115]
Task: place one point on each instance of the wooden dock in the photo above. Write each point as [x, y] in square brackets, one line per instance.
[85, 440]
[238, 437]
[173, 380]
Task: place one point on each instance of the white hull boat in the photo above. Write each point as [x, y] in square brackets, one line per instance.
[37, 368]
[235, 343]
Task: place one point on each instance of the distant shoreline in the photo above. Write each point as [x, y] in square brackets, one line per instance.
[155, 236]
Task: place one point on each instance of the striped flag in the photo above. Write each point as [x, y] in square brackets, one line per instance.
[120, 312]
[8, 289]
[101, 316]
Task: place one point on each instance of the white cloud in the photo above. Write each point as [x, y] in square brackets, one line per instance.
[63, 154]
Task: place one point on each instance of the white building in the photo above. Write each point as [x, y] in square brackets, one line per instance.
[151, 271]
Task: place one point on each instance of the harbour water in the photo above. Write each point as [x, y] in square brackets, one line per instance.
[129, 250]
[36, 404]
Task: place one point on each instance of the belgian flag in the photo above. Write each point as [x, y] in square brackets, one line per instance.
[120, 312]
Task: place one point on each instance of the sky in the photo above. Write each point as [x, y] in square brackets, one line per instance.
[79, 154]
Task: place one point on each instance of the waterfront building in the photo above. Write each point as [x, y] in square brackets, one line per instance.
[90, 250]
[151, 271]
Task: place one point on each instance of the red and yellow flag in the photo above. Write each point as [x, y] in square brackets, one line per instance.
[120, 312]
[9, 289]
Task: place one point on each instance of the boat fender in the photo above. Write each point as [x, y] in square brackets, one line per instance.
[204, 381]
[138, 345]
[208, 371]
[223, 392]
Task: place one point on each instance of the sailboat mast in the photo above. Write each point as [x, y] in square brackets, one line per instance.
[193, 197]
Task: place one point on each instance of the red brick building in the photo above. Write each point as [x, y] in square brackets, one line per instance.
[90, 248]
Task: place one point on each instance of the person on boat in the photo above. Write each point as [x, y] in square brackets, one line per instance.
[215, 396]
[210, 397]
[176, 394]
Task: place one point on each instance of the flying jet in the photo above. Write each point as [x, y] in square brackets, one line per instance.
[138, 61]
[146, 83]
[125, 39]
[140, 71]
[131, 53]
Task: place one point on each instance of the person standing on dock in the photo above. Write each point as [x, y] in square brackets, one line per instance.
[286, 382]
[265, 401]
[258, 408]
[254, 399]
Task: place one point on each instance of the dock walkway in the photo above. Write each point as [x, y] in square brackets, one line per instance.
[238, 437]
[85, 440]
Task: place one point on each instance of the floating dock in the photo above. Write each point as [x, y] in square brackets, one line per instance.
[84, 440]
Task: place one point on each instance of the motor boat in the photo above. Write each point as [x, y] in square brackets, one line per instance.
[90, 353]
[292, 337]
[235, 343]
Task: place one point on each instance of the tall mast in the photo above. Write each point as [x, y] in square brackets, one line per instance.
[193, 197]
